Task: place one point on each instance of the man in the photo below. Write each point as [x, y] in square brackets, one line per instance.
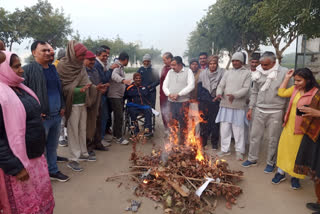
[150, 79]
[101, 65]
[207, 88]
[269, 110]
[92, 112]
[203, 60]
[61, 53]
[51, 60]
[2, 46]
[254, 62]
[194, 66]
[115, 94]
[138, 102]
[233, 89]
[167, 58]
[177, 85]
[43, 79]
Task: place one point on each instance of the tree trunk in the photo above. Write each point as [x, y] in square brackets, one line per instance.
[10, 47]
[229, 62]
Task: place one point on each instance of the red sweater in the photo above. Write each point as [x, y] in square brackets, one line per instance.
[164, 72]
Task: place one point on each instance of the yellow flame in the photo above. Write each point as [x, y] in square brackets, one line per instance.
[145, 181]
[156, 174]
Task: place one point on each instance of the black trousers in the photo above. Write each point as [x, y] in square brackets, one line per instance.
[209, 126]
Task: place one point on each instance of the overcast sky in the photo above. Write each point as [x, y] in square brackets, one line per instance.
[163, 24]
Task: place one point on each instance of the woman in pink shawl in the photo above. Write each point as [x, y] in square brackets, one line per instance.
[25, 186]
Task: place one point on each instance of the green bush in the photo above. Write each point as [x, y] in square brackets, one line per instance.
[130, 70]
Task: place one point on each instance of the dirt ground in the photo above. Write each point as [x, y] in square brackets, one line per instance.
[88, 193]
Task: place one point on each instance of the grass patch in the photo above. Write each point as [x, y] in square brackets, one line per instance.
[130, 70]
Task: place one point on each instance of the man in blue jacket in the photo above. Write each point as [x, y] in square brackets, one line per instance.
[150, 78]
[138, 102]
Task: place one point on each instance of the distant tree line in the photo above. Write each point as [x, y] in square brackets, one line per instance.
[233, 25]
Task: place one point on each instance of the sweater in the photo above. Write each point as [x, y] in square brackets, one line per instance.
[181, 83]
[237, 83]
[117, 88]
[35, 79]
[269, 98]
[305, 99]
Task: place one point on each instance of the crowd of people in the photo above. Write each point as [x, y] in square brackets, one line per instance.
[84, 94]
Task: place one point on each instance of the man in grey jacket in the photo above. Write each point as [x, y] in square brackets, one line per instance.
[269, 110]
[232, 91]
[177, 85]
[115, 94]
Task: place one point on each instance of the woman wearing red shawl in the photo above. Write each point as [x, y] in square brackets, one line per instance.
[24, 180]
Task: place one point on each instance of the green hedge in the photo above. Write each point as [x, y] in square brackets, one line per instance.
[130, 70]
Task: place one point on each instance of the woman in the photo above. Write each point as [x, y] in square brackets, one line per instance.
[305, 87]
[24, 180]
[207, 86]
[79, 94]
[308, 157]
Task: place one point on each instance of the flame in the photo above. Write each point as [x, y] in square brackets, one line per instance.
[156, 174]
[145, 181]
[192, 140]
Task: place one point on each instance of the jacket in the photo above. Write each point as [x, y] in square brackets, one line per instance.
[305, 99]
[117, 88]
[137, 94]
[269, 98]
[105, 76]
[237, 83]
[35, 80]
[149, 77]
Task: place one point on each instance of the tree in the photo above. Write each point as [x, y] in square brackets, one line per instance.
[13, 28]
[227, 26]
[283, 21]
[48, 24]
[38, 22]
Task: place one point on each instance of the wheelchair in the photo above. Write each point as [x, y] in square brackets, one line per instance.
[127, 123]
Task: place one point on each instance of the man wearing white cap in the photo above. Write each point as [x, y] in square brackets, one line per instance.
[232, 90]
[269, 110]
[150, 78]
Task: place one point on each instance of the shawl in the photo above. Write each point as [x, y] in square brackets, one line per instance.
[72, 74]
[311, 125]
[14, 118]
[210, 81]
[271, 75]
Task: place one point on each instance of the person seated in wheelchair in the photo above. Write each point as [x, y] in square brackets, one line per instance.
[138, 103]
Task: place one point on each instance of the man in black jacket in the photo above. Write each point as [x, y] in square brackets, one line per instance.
[44, 80]
[150, 79]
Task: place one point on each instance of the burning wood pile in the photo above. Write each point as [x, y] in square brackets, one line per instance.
[183, 178]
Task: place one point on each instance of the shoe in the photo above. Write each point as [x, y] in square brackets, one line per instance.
[248, 163]
[268, 169]
[214, 147]
[239, 156]
[63, 143]
[313, 206]
[107, 137]
[75, 166]
[62, 159]
[92, 153]
[58, 177]
[92, 158]
[222, 154]
[122, 141]
[147, 133]
[106, 143]
[295, 183]
[83, 158]
[101, 148]
[278, 178]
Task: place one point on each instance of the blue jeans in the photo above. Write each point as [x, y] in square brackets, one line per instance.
[52, 127]
[104, 114]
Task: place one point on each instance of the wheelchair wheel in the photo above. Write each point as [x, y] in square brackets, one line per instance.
[126, 122]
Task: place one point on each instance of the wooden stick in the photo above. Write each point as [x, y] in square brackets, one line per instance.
[197, 179]
[124, 174]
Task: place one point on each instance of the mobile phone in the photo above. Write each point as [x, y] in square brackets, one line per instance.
[300, 113]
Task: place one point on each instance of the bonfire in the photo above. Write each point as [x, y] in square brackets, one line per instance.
[183, 177]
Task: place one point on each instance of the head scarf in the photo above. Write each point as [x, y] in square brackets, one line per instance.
[271, 75]
[72, 74]
[14, 118]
